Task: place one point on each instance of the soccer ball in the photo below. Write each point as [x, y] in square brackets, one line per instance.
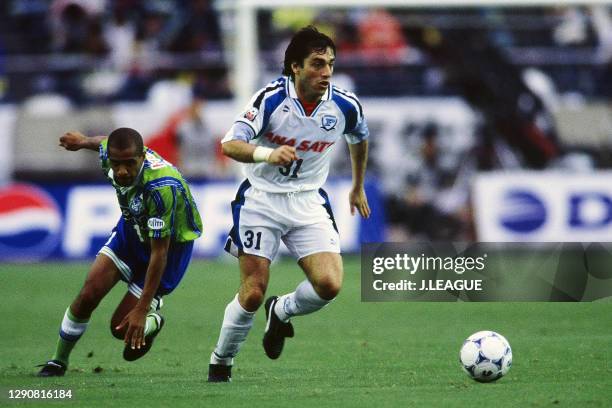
[486, 356]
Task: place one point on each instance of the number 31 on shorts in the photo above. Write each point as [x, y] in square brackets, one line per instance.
[252, 239]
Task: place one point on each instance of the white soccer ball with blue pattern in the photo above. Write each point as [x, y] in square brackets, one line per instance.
[486, 356]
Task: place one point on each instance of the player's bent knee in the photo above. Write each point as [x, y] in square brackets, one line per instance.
[252, 299]
[328, 288]
[252, 292]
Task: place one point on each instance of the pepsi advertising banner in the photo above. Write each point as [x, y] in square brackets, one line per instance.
[68, 221]
[543, 207]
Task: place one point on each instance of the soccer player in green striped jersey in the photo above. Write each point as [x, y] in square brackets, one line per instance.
[149, 248]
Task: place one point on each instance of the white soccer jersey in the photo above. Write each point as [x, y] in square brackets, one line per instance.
[275, 117]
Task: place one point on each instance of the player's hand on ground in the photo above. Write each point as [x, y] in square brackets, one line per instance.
[283, 155]
[135, 322]
[72, 140]
[359, 201]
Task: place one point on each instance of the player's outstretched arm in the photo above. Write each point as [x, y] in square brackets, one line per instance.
[359, 160]
[247, 153]
[75, 140]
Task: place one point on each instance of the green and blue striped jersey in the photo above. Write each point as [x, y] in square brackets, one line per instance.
[159, 204]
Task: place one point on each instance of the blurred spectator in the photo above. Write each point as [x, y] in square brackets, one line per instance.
[602, 24]
[120, 35]
[76, 29]
[496, 89]
[200, 155]
[149, 37]
[186, 141]
[95, 43]
[200, 29]
[26, 28]
[435, 204]
[346, 38]
[380, 37]
[573, 28]
[145, 53]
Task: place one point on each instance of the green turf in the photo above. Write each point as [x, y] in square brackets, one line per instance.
[351, 354]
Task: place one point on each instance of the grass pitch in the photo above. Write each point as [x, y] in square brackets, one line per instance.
[350, 354]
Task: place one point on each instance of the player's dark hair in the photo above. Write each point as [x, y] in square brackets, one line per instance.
[304, 42]
[125, 138]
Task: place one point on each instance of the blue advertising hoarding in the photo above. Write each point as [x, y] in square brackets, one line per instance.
[72, 221]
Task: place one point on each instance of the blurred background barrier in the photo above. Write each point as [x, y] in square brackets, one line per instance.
[543, 207]
[72, 221]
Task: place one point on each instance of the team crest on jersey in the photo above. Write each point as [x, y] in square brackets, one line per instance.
[251, 114]
[328, 122]
[136, 205]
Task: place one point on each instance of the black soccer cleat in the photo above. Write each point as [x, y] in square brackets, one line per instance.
[52, 368]
[131, 354]
[219, 373]
[276, 331]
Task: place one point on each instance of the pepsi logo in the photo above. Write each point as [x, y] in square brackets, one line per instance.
[522, 211]
[30, 223]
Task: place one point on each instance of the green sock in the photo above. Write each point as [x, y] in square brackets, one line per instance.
[71, 330]
[62, 350]
[152, 323]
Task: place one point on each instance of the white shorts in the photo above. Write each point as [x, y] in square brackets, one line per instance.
[303, 220]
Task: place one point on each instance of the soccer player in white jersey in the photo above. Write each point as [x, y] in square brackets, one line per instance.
[285, 137]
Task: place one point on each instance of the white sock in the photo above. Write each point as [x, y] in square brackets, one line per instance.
[72, 328]
[236, 325]
[152, 323]
[303, 301]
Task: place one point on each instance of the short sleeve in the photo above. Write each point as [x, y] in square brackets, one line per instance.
[256, 115]
[359, 133]
[239, 131]
[356, 127]
[251, 116]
